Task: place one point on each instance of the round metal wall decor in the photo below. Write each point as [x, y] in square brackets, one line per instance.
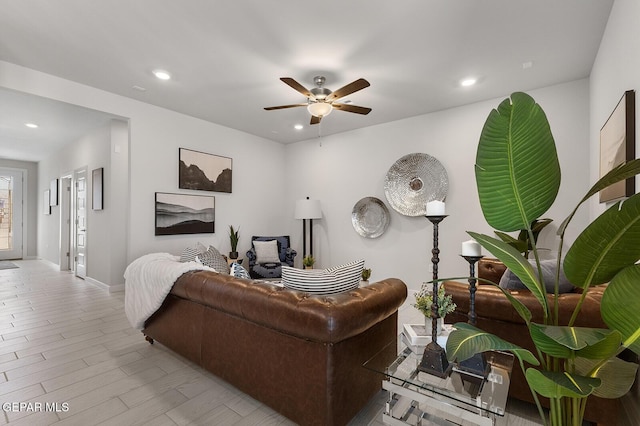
[414, 180]
[370, 217]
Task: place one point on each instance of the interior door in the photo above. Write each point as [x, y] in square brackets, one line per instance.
[80, 235]
[11, 214]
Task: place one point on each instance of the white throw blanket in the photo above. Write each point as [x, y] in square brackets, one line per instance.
[148, 280]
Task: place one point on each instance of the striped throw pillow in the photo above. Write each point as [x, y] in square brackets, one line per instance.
[323, 281]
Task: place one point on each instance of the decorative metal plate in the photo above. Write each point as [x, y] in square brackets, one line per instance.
[370, 217]
[414, 180]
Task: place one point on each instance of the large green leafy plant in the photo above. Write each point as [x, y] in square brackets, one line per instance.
[518, 178]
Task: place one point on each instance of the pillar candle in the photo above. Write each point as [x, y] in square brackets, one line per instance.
[471, 248]
[435, 208]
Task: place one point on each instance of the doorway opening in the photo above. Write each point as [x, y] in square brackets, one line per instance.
[11, 218]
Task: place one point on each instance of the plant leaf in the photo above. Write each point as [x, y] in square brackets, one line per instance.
[517, 168]
[567, 342]
[557, 385]
[467, 340]
[607, 245]
[617, 376]
[546, 344]
[516, 263]
[621, 304]
[618, 173]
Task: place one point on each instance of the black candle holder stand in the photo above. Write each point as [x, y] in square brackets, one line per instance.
[434, 360]
[477, 365]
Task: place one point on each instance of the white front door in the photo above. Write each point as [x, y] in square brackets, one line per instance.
[11, 214]
[80, 246]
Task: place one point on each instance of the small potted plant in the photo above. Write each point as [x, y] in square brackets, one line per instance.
[366, 274]
[424, 300]
[308, 262]
[233, 239]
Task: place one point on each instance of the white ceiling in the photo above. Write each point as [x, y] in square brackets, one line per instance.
[226, 56]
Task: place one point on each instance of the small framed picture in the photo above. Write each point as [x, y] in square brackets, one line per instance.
[97, 197]
[46, 202]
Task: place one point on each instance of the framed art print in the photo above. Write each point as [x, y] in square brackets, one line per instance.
[617, 145]
[184, 214]
[97, 189]
[204, 172]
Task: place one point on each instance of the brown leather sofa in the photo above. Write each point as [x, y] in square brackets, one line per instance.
[496, 316]
[301, 355]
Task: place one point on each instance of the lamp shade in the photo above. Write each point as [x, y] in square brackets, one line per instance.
[320, 109]
[308, 209]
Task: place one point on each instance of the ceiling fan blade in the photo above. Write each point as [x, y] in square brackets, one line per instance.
[352, 108]
[299, 87]
[350, 88]
[315, 120]
[284, 106]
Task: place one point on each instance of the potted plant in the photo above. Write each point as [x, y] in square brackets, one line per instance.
[233, 239]
[365, 275]
[516, 148]
[308, 262]
[424, 302]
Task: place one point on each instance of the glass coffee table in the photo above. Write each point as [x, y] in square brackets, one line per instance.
[462, 397]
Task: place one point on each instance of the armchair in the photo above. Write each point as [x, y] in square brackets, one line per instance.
[267, 254]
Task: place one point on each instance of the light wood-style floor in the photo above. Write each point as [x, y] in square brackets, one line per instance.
[69, 355]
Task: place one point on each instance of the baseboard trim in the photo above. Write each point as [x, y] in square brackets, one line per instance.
[110, 288]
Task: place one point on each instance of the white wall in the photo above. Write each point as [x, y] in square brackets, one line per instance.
[340, 170]
[155, 134]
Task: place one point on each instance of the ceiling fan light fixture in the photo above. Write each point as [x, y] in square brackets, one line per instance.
[319, 109]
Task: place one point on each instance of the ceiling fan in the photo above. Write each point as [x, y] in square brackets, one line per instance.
[321, 101]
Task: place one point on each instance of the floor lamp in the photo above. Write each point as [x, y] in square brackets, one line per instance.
[307, 209]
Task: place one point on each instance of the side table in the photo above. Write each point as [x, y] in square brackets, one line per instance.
[462, 397]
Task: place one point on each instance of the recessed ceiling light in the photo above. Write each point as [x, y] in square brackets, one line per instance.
[298, 127]
[162, 74]
[468, 82]
[31, 125]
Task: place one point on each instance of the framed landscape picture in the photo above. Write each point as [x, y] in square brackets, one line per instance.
[184, 214]
[204, 172]
[617, 145]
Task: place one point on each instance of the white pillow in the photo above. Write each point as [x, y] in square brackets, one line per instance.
[266, 251]
[323, 281]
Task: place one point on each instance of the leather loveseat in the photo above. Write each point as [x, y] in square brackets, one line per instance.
[301, 355]
[496, 316]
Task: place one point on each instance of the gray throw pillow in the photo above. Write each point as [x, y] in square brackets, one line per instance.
[510, 281]
[213, 259]
[266, 251]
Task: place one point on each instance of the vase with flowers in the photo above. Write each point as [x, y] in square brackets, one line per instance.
[424, 301]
